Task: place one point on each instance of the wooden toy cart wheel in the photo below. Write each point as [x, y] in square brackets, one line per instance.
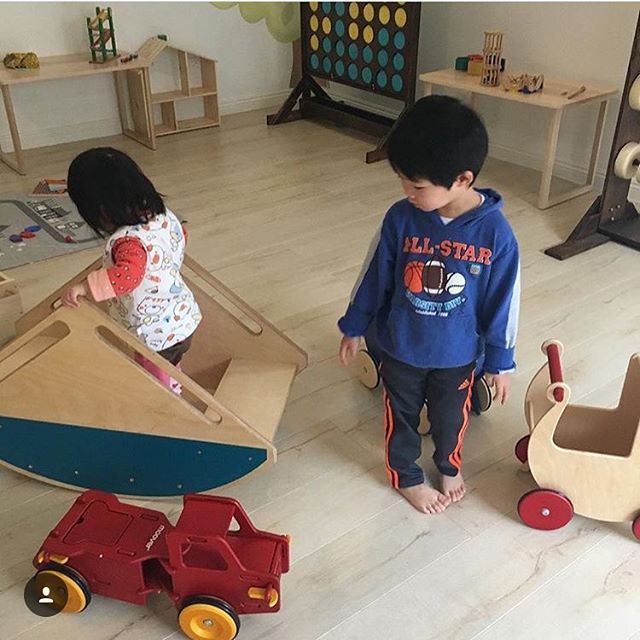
[367, 369]
[482, 397]
[545, 509]
[206, 618]
[521, 449]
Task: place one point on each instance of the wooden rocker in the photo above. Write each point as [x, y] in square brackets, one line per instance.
[586, 460]
[78, 411]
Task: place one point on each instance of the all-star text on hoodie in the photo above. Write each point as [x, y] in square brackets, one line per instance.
[440, 294]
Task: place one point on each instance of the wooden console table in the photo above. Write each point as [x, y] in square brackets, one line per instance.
[550, 98]
[56, 68]
[130, 78]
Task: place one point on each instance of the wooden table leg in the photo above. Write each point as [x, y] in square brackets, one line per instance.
[549, 159]
[597, 140]
[545, 200]
[19, 164]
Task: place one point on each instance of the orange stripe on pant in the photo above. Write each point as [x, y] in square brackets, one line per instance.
[454, 457]
[388, 432]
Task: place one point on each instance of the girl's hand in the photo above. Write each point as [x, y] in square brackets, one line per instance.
[348, 349]
[501, 384]
[71, 296]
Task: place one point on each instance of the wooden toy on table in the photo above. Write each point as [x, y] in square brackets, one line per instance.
[214, 564]
[586, 460]
[15, 60]
[491, 57]
[102, 36]
[475, 64]
[77, 410]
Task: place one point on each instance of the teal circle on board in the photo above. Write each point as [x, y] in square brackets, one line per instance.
[381, 79]
[326, 65]
[340, 49]
[340, 8]
[340, 68]
[353, 71]
[396, 83]
[315, 62]
[367, 75]
[398, 62]
[326, 7]
[367, 54]
[399, 40]
[340, 29]
[326, 45]
[383, 37]
[383, 58]
[353, 50]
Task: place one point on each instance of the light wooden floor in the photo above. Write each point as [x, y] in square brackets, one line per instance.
[284, 216]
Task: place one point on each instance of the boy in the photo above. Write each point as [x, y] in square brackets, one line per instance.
[440, 285]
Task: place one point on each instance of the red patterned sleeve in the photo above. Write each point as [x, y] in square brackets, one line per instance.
[130, 262]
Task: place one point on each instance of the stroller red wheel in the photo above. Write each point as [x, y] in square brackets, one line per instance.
[545, 509]
[522, 449]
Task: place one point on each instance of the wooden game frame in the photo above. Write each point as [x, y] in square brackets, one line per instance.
[611, 216]
[314, 102]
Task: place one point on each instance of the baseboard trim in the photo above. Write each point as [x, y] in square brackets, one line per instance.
[35, 137]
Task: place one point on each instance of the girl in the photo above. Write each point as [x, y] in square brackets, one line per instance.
[145, 248]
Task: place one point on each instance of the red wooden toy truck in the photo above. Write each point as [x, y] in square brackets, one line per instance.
[214, 564]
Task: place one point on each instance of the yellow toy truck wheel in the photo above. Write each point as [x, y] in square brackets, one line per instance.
[206, 618]
[78, 593]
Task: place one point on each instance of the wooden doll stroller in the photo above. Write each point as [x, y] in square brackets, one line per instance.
[586, 460]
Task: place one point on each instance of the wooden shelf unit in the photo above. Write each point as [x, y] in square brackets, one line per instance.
[202, 87]
[191, 86]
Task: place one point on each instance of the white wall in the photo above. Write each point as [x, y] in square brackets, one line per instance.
[585, 43]
[253, 69]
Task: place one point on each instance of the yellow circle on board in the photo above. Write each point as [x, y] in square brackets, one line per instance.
[313, 23]
[367, 34]
[314, 42]
[384, 14]
[354, 10]
[401, 17]
[326, 25]
[368, 12]
[314, 6]
[353, 31]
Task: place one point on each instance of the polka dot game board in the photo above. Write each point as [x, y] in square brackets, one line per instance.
[370, 46]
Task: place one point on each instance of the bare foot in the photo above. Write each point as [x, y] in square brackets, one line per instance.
[425, 498]
[453, 487]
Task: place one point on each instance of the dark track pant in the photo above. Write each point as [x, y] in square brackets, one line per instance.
[448, 396]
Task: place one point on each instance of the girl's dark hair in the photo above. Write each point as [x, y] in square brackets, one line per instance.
[438, 139]
[110, 191]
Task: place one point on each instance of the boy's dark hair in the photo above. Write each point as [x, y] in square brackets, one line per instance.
[111, 191]
[437, 139]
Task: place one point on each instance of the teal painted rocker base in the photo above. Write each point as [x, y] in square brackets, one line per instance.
[120, 462]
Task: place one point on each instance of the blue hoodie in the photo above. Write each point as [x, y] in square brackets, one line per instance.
[439, 294]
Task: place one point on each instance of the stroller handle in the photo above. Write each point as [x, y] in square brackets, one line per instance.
[555, 368]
